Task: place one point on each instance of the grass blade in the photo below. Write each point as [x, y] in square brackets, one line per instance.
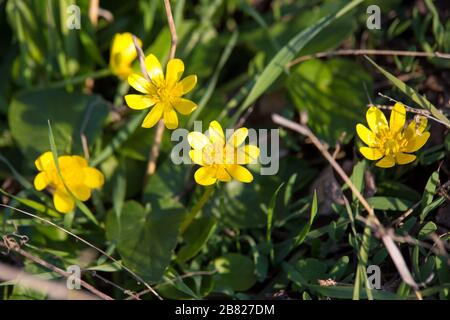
[413, 95]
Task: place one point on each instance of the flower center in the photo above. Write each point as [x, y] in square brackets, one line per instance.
[213, 154]
[163, 93]
[392, 144]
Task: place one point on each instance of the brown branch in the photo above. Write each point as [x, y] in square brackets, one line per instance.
[54, 290]
[93, 11]
[173, 29]
[141, 58]
[45, 264]
[372, 219]
[360, 52]
[132, 273]
[154, 152]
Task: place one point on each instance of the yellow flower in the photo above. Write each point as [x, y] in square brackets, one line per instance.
[392, 143]
[78, 177]
[123, 54]
[164, 94]
[219, 159]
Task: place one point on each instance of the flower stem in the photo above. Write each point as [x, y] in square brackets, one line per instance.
[197, 207]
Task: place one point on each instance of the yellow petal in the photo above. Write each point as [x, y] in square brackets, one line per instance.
[371, 153]
[238, 137]
[197, 157]
[139, 102]
[80, 161]
[247, 154]
[205, 176]
[386, 162]
[404, 158]
[80, 191]
[93, 178]
[416, 127]
[67, 162]
[153, 116]
[417, 142]
[376, 119]
[198, 140]
[398, 118]
[154, 68]
[123, 53]
[63, 201]
[170, 119]
[123, 44]
[216, 134]
[45, 161]
[41, 181]
[240, 173]
[187, 84]
[184, 106]
[174, 71]
[420, 124]
[367, 136]
[223, 175]
[139, 83]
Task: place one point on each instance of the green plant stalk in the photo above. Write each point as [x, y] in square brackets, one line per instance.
[197, 207]
[79, 79]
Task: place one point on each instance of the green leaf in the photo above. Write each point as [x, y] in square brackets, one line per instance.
[427, 229]
[413, 95]
[430, 189]
[357, 176]
[443, 274]
[333, 94]
[390, 203]
[302, 236]
[270, 211]
[340, 268]
[146, 237]
[433, 205]
[278, 64]
[68, 113]
[235, 271]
